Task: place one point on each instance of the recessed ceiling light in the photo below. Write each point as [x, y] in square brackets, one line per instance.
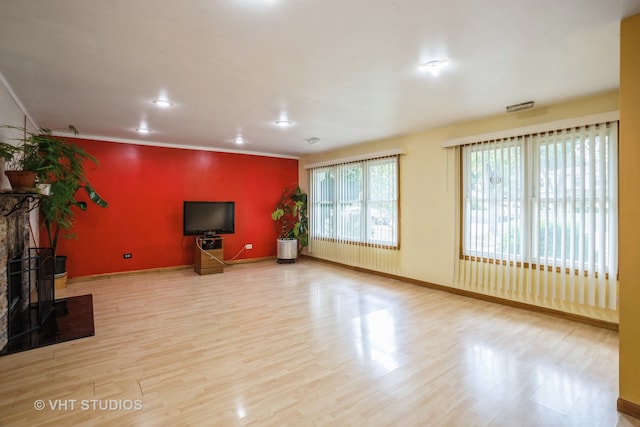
[164, 103]
[283, 123]
[434, 66]
[239, 140]
[143, 130]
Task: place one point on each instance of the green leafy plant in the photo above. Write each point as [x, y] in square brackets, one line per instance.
[7, 151]
[290, 216]
[62, 165]
[59, 162]
[24, 154]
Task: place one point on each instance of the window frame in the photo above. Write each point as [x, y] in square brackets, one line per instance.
[531, 255]
[334, 231]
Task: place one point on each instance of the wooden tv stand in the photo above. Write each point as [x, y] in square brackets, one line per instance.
[203, 263]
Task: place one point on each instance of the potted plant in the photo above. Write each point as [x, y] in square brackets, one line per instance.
[22, 161]
[291, 222]
[57, 162]
[61, 164]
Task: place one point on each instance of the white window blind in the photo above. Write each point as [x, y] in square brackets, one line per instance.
[548, 202]
[356, 202]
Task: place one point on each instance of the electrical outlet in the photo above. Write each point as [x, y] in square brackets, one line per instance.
[248, 246]
[127, 255]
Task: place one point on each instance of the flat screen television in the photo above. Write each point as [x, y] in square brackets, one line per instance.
[208, 218]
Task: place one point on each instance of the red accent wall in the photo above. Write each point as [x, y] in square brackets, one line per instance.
[145, 187]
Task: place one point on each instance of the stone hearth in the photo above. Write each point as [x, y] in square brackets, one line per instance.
[14, 244]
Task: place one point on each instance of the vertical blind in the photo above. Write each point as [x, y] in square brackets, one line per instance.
[354, 207]
[543, 208]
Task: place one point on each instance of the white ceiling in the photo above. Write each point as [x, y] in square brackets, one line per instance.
[343, 71]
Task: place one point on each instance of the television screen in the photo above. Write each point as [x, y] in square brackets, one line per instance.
[208, 218]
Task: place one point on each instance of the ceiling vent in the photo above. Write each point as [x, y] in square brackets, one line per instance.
[519, 107]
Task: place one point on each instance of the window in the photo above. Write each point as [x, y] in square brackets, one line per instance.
[548, 199]
[356, 202]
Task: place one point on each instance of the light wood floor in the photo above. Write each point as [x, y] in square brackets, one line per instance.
[311, 344]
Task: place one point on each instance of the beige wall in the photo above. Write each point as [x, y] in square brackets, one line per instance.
[428, 181]
[630, 210]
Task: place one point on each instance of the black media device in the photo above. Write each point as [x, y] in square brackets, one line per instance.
[208, 218]
[208, 244]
